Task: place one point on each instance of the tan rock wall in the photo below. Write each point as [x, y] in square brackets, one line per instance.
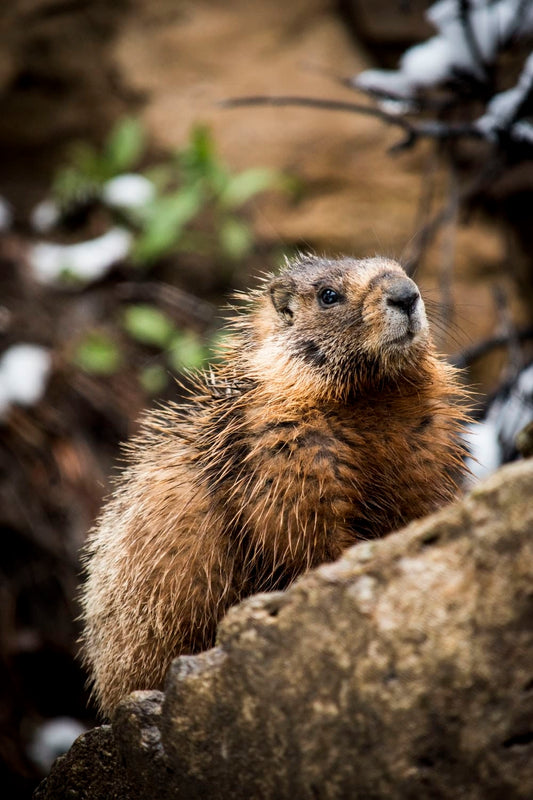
[68, 69]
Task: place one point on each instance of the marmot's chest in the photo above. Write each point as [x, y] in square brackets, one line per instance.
[396, 462]
[348, 457]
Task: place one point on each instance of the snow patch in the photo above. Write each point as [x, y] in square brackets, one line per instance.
[45, 216]
[503, 108]
[492, 442]
[128, 191]
[436, 60]
[53, 738]
[453, 51]
[481, 439]
[24, 372]
[87, 261]
[387, 82]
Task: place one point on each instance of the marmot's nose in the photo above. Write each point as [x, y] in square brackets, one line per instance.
[403, 295]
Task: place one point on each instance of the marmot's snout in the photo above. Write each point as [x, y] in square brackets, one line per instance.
[404, 312]
[395, 316]
[403, 295]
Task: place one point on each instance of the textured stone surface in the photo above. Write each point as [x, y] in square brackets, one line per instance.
[91, 770]
[405, 670]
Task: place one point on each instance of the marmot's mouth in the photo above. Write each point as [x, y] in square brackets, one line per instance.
[404, 339]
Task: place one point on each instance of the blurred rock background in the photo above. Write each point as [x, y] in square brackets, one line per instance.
[140, 84]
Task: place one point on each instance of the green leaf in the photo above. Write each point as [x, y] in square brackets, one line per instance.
[148, 325]
[165, 221]
[86, 160]
[245, 185]
[199, 161]
[124, 146]
[236, 239]
[72, 188]
[153, 378]
[98, 354]
[186, 351]
[199, 154]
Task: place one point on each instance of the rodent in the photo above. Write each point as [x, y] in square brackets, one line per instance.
[329, 420]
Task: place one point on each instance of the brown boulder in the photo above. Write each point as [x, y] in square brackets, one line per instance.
[404, 670]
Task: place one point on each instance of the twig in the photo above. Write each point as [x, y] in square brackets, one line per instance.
[519, 18]
[424, 236]
[430, 129]
[187, 306]
[514, 354]
[476, 351]
[470, 36]
[423, 216]
[448, 250]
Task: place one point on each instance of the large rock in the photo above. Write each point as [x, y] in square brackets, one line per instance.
[404, 670]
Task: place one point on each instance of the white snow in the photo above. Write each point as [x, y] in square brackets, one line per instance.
[502, 107]
[44, 216]
[491, 22]
[523, 132]
[395, 107]
[491, 442]
[88, 260]
[526, 23]
[6, 215]
[441, 14]
[517, 410]
[485, 455]
[433, 62]
[436, 60]
[24, 372]
[128, 191]
[53, 738]
[383, 81]
[426, 64]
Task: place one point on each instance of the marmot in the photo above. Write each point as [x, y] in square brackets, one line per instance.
[329, 420]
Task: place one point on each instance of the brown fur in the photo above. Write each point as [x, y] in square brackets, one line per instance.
[323, 426]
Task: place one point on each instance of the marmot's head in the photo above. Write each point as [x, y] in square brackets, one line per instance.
[340, 325]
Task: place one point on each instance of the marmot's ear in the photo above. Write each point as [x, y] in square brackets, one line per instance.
[282, 296]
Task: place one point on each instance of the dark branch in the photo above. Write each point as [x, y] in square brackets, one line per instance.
[523, 7]
[475, 351]
[431, 129]
[427, 232]
[470, 36]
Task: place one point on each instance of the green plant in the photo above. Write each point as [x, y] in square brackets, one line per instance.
[194, 183]
[98, 354]
[198, 201]
[88, 168]
[177, 350]
[148, 325]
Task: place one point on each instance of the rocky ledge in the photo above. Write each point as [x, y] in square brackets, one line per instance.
[404, 670]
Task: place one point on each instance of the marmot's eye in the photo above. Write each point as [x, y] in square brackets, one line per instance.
[328, 297]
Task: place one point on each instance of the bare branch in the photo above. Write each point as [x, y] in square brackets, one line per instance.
[424, 236]
[447, 260]
[430, 129]
[470, 36]
[476, 351]
[514, 353]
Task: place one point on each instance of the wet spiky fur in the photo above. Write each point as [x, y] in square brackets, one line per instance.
[321, 427]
